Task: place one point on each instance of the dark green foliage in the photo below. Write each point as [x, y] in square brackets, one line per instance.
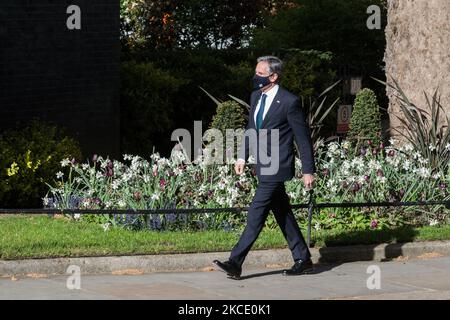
[37, 150]
[146, 106]
[365, 122]
[327, 25]
[189, 24]
[426, 128]
[307, 72]
[230, 116]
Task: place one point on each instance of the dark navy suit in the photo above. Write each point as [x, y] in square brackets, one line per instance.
[286, 115]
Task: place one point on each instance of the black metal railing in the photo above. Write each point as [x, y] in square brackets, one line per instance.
[311, 206]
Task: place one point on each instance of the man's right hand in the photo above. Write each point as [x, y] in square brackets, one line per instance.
[239, 166]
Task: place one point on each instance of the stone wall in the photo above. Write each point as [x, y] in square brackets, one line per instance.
[69, 77]
[418, 50]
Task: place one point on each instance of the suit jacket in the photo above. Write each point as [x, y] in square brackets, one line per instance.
[286, 115]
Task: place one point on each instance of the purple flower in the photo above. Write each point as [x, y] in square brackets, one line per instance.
[326, 172]
[155, 222]
[109, 169]
[362, 151]
[366, 178]
[391, 153]
[380, 173]
[401, 193]
[74, 202]
[356, 187]
[382, 145]
[137, 196]
[171, 217]
[95, 158]
[442, 186]
[374, 223]
[374, 151]
[369, 142]
[162, 183]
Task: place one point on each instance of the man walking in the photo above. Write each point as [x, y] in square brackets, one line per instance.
[274, 113]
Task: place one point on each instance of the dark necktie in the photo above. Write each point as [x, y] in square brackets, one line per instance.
[259, 116]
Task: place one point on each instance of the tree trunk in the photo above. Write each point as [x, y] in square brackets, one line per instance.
[418, 52]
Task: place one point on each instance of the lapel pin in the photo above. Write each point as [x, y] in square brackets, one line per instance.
[278, 101]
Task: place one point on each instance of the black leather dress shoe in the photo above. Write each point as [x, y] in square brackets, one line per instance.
[300, 267]
[229, 268]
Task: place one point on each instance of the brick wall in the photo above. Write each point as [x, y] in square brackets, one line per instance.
[69, 77]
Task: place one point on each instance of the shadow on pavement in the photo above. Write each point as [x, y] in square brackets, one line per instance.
[361, 245]
[318, 268]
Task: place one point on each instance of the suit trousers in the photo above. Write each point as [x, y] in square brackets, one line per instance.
[270, 196]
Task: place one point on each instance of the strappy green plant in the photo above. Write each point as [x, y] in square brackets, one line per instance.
[426, 129]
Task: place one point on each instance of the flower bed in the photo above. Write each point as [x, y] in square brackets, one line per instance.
[372, 173]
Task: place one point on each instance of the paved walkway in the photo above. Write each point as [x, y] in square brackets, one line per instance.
[425, 278]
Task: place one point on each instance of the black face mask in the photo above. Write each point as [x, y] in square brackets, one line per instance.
[260, 82]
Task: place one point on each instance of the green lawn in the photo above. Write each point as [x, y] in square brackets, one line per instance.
[42, 237]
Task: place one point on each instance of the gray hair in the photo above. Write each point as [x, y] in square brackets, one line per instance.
[275, 64]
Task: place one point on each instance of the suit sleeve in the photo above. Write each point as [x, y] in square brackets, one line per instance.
[302, 134]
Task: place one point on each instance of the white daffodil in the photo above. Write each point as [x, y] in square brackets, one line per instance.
[381, 179]
[155, 156]
[116, 184]
[346, 144]
[408, 147]
[424, 172]
[65, 163]
[85, 203]
[433, 222]
[45, 201]
[155, 196]
[392, 141]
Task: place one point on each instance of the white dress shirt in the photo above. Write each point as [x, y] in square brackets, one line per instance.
[270, 96]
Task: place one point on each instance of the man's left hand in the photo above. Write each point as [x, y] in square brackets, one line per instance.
[308, 179]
